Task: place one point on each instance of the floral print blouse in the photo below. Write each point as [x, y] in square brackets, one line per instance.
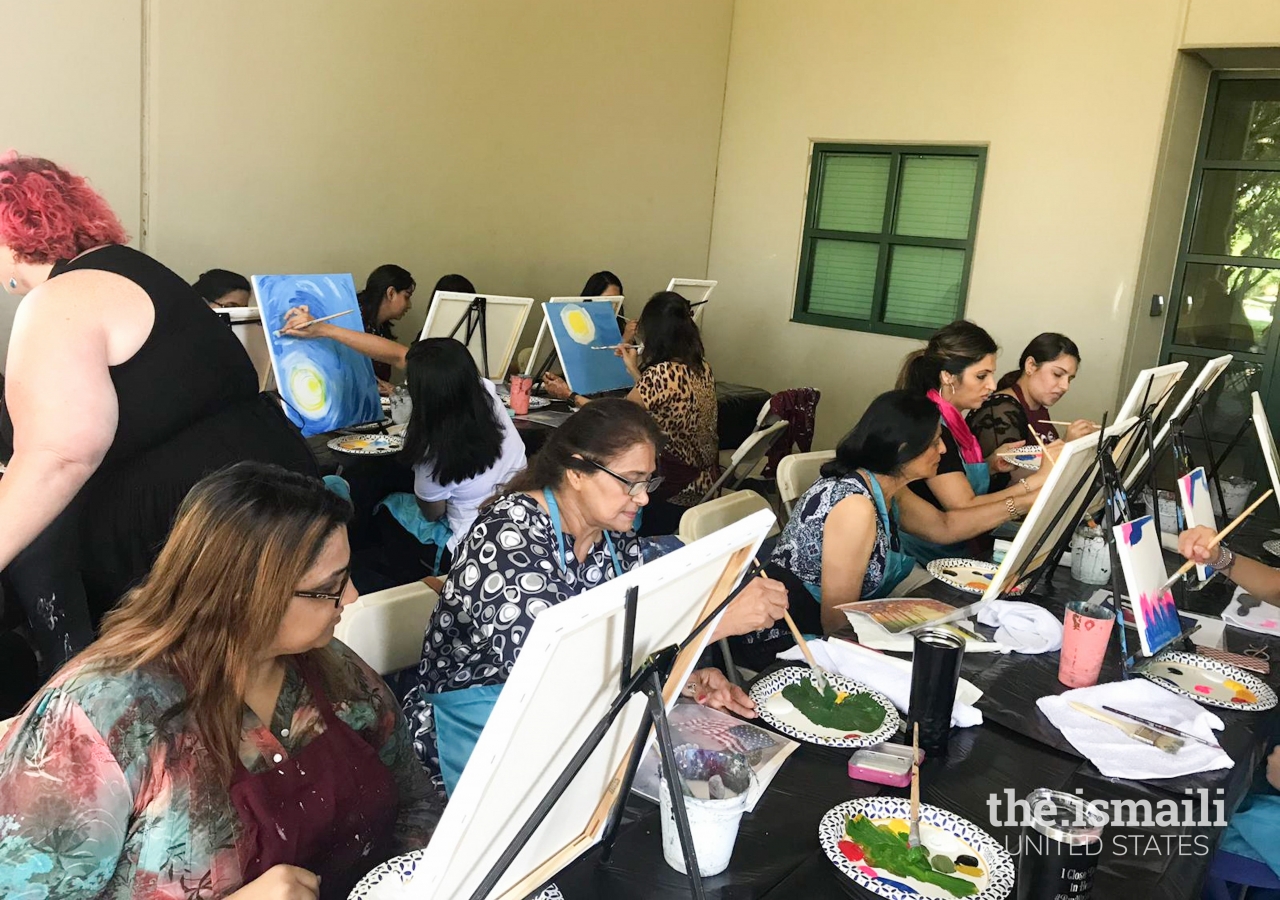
[100, 799]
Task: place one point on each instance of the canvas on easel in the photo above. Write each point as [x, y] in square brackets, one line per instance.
[1197, 508]
[325, 385]
[481, 322]
[1154, 611]
[697, 291]
[1267, 441]
[1209, 373]
[564, 682]
[542, 359]
[585, 335]
[1152, 389]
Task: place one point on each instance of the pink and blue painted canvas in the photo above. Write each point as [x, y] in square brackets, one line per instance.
[1155, 612]
[1197, 508]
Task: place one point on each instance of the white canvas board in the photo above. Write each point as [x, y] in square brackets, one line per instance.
[1077, 460]
[566, 677]
[1152, 387]
[543, 346]
[1204, 380]
[1155, 612]
[504, 323]
[695, 290]
[1267, 441]
[1197, 507]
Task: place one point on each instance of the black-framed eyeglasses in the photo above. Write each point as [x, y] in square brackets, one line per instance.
[633, 487]
[324, 595]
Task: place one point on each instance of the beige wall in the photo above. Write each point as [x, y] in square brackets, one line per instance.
[1232, 23]
[524, 145]
[1069, 96]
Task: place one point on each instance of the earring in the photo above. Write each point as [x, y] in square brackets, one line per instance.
[13, 284]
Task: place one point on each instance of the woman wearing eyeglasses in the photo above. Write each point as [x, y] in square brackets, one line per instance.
[560, 528]
[215, 741]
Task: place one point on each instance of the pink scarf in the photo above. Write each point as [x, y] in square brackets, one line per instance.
[970, 449]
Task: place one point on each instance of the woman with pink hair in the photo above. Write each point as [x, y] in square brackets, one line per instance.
[122, 390]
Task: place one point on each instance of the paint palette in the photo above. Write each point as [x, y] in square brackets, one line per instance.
[1209, 681]
[941, 831]
[776, 711]
[391, 880]
[970, 575]
[1023, 457]
[1272, 547]
[367, 444]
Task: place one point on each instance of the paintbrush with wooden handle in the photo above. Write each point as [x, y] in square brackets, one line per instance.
[913, 835]
[1141, 733]
[819, 677]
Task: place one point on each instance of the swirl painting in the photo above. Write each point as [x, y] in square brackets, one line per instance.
[1155, 612]
[325, 385]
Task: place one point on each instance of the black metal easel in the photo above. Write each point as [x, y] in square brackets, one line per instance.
[476, 319]
[648, 680]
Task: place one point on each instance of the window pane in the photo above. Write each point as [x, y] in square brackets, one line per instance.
[1246, 120]
[844, 278]
[1228, 402]
[937, 196]
[853, 192]
[1226, 307]
[1239, 214]
[924, 286]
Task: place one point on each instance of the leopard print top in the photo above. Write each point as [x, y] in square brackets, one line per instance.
[683, 402]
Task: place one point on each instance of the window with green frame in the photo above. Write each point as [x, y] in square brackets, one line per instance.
[888, 237]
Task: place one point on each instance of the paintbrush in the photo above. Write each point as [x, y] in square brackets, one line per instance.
[913, 836]
[1167, 729]
[635, 347]
[819, 678]
[317, 321]
[1043, 449]
[1217, 539]
[1141, 733]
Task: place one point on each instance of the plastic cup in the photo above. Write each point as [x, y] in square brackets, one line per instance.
[519, 398]
[1085, 633]
[713, 823]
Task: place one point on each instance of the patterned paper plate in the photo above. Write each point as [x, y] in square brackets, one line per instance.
[368, 428]
[777, 711]
[941, 831]
[1023, 457]
[1209, 681]
[1272, 547]
[534, 402]
[387, 881]
[971, 575]
[367, 444]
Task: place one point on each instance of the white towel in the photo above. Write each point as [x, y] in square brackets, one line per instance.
[887, 674]
[1022, 627]
[1117, 755]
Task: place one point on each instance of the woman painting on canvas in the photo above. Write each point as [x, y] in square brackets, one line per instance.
[1023, 397]
[675, 384]
[216, 741]
[956, 372]
[557, 530]
[124, 389]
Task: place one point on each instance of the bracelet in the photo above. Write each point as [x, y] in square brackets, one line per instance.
[1014, 513]
[1026, 488]
[1225, 561]
[573, 398]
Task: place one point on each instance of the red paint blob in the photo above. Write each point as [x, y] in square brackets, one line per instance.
[1203, 689]
[851, 851]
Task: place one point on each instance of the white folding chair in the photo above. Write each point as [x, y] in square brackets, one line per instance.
[385, 628]
[796, 474]
[748, 455]
[705, 518]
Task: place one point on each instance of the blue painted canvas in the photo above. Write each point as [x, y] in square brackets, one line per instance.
[325, 385]
[585, 334]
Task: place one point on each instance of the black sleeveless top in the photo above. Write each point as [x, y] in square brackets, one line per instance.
[188, 405]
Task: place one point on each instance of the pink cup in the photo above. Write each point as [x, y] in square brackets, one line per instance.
[1085, 633]
[520, 385]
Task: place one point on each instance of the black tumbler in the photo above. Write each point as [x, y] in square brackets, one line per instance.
[1060, 847]
[935, 672]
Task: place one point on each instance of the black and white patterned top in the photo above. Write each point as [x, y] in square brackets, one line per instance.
[503, 575]
[799, 547]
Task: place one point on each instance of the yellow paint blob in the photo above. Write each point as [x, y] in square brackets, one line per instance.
[578, 324]
[308, 388]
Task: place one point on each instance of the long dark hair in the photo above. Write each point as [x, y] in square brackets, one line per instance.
[598, 283]
[600, 431]
[669, 333]
[453, 426]
[952, 349]
[1043, 348]
[896, 428]
[375, 289]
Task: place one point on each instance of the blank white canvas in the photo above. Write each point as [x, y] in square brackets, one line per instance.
[695, 290]
[504, 321]
[1267, 441]
[1077, 460]
[563, 683]
[1151, 387]
[543, 345]
[1205, 378]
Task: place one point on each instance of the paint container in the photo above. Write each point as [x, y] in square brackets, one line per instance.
[519, 397]
[935, 672]
[401, 405]
[1090, 556]
[1169, 512]
[1060, 847]
[713, 823]
[1085, 633]
[1236, 491]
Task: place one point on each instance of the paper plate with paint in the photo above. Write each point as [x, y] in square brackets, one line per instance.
[1272, 547]
[865, 839]
[390, 880]
[368, 444]
[849, 714]
[1023, 457]
[971, 575]
[1209, 681]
